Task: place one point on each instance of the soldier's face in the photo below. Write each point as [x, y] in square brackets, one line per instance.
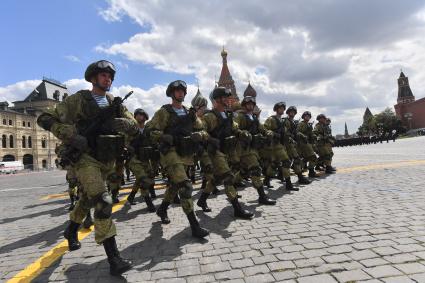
[250, 106]
[179, 95]
[280, 111]
[291, 114]
[140, 118]
[104, 80]
[224, 101]
[322, 121]
[307, 118]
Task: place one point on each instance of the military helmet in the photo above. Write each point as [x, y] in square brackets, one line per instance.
[278, 105]
[247, 99]
[320, 116]
[179, 84]
[97, 67]
[305, 114]
[140, 111]
[220, 91]
[199, 101]
[291, 108]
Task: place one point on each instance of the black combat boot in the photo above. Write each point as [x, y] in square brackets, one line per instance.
[197, 231]
[202, 202]
[71, 234]
[239, 211]
[319, 168]
[117, 264]
[149, 203]
[130, 198]
[114, 194]
[266, 182]
[289, 186]
[263, 199]
[215, 191]
[329, 170]
[312, 173]
[162, 212]
[152, 192]
[88, 222]
[303, 180]
[72, 198]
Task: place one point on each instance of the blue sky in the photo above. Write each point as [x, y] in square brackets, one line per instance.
[38, 38]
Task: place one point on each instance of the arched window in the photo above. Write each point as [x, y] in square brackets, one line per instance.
[23, 123]
[24, 142]
[4, 122]
[10, 123]
[29, 142]
[3, 141]
[11, 141]
[29, 124]
[43, 142]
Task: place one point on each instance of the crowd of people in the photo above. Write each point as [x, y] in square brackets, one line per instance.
[225, 145]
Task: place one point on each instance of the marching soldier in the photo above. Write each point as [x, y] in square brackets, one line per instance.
[324, 146]
[88, 123]
[251, 139]
[276, 152]
[179, 132]
[306, 139]
[140, 162]
[223, 134]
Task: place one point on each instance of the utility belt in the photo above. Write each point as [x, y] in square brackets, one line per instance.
[185, 146]
[228, 144]
[146, 153]
[108, 147]
[259, 141]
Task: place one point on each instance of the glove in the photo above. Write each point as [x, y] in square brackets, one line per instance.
[124, 125]
[245, 137]
[196, 137]
[167, 139]
[79, 142]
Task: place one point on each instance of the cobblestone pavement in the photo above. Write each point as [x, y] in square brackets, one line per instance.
[363, 224]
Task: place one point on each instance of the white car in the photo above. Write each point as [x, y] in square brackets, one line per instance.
[7, 167]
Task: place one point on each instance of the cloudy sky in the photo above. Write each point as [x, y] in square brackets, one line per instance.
[330, 56]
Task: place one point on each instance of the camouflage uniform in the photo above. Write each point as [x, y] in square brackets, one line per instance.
[252, 138]
[179, 133]
[306, 139]
[277, 157]
[323, 143]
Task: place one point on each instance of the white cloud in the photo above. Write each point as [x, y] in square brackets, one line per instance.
[17, 91]
[326, 56]
[72, 58]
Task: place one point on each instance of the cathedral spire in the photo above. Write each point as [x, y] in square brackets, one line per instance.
[226, 79]
[405, 94]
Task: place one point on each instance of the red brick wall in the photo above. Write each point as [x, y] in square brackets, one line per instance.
[417, 109]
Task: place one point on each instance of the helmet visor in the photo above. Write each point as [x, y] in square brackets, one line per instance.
[103, 64]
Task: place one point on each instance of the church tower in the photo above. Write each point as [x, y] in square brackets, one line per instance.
[405, 94]
[226, 79]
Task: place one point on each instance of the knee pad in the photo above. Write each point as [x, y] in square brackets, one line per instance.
[103, 206]
[185, 190]
[255, 171]
[114, 177]
[286, 163]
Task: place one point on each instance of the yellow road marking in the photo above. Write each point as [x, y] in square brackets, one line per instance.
[65, 195]
[381, 166]
[36, 268]
[46, 260]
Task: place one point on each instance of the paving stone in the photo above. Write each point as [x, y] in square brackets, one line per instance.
[351, 276]
[322, 278]
[382, 271]
[411, 268]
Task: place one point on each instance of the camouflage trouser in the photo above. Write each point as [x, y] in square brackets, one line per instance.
[294, 157]
[114, 180]
[72, 180]
[325, 153]
[308, 154]
[92, 175]
[175, 168]
[145, 177]
[274, 158]
[250, 165]
[221, 174]
[234, 158]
